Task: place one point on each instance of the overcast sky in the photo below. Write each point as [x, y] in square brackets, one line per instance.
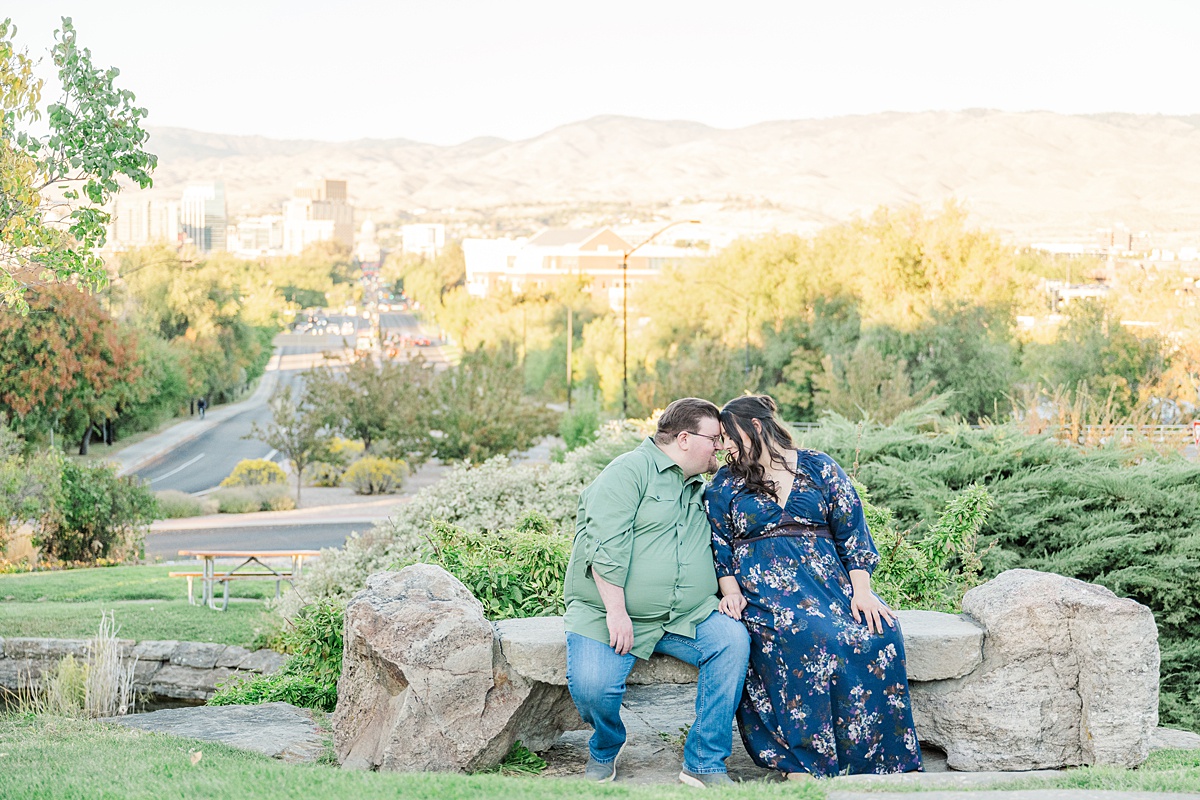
[445, 71]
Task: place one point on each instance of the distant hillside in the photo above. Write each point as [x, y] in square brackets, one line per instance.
[1032, 173]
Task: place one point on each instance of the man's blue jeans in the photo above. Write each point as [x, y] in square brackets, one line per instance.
[596, 678]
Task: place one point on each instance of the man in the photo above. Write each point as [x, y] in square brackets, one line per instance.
[641, 580]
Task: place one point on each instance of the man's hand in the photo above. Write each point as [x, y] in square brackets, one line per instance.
[620, 631]
[732, 605]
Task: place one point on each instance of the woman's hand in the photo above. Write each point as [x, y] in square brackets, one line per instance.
[732, 605]
[732, 601]
[873, 611]
[864, 602]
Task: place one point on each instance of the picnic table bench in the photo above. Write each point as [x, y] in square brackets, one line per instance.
[209, 576]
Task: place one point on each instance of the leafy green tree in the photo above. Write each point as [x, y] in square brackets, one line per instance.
[1095, 349]
[867, 385]
[100, 515]
[297, 430]
[479, 409]
[53, 186]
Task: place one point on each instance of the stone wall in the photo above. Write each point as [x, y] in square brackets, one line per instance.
[1042, 671]
[164, 670]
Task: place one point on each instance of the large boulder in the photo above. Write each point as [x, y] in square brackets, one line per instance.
[1069, 676]
[425, 686]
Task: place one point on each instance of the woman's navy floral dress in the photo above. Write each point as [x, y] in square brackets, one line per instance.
[823, 695]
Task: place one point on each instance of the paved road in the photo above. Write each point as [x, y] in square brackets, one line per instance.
[204, 461]
[167, 544]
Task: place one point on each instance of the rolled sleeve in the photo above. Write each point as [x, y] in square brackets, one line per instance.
[609, 511]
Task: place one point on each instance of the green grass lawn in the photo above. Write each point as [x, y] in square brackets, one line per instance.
[147, 605]
[44, 758]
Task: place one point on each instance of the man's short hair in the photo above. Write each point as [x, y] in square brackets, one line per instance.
[684, 414]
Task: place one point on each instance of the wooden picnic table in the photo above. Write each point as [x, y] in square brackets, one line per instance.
[209, 577]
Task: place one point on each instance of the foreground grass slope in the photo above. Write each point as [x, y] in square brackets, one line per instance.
[147, 605]
[62, 759]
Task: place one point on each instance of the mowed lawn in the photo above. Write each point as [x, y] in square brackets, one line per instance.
[146, 603]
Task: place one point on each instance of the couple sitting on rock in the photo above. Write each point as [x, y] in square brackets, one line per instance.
[762, 579]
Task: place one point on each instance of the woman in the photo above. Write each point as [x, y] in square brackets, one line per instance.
[827, 692]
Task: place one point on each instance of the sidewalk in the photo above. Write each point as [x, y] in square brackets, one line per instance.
[138, 455]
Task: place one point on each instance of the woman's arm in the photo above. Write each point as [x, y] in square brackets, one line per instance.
[733, 602]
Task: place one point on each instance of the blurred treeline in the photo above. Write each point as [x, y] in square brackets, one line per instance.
[866, 319]
[168, 329]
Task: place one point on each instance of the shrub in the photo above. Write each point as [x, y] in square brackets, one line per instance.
[99, 515]
[1125, 518]
[935, 571]
[580, 425]
[309, 676]
[256, 472]
[247, 499]
[372, 475]
[323, 473]
[342, 451]
[514, 573]
[174, 504]
[485, 497]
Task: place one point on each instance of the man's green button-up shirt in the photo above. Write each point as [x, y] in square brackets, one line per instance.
[641, 526]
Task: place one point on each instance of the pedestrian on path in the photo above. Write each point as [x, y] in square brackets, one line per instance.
[202, 405]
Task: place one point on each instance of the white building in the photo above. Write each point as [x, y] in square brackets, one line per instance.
[423, 239]
[202, 216]
[259, 236]
[593, 255]
[318, 212]
[137, 221]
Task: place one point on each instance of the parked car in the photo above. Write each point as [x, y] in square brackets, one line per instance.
[347, 328]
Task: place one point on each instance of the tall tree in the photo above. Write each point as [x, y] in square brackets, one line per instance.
[296, 430]
[53, 186]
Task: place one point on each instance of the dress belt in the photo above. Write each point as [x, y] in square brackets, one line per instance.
[793, 529]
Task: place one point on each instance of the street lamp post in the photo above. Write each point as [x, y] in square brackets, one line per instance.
[625, 309]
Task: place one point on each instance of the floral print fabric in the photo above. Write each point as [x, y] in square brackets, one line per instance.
[823, 694]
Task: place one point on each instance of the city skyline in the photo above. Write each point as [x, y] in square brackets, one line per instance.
[447, 73]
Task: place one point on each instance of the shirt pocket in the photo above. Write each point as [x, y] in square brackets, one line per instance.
[657, 509]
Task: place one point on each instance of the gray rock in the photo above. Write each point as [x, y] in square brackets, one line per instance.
[424, 683]
[278, 730]
[268, 662]
[152, 650]
[187, 683]
[1069, 676]
[1171, 739]
[536, 648]
[939, 646]
[201, 655]
[232, 656]
[20, 673]
[22, 647]
[143, 673]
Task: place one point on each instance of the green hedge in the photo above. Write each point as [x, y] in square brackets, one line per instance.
[1128, 519]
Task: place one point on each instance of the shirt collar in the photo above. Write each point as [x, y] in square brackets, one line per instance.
[663, 462]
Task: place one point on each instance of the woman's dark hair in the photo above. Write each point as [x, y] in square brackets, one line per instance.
[737, 418]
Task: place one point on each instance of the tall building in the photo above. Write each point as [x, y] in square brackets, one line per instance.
[202, 216]
[318, 211]
[137, 221]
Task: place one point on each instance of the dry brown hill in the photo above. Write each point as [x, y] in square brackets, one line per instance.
[1034, 173]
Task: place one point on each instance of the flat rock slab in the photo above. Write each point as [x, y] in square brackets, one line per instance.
[279, 730]
[1172, 739]
[654, 717]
